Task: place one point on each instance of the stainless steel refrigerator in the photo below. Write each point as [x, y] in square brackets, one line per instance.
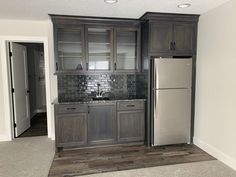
[172, 81]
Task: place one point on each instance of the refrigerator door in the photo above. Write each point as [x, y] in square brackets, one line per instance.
[172, 112]
[172, 73]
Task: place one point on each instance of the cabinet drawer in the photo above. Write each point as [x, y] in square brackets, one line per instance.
[130, 105]
[72, 108]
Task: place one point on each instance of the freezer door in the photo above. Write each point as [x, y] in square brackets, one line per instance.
[172, 116]
[172, 73]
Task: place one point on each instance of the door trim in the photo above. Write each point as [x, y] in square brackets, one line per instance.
[7, 94]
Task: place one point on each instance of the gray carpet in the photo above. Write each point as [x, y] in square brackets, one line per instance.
[26, 157]
[196, 169]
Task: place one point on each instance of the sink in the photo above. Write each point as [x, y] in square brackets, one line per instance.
[100, 98]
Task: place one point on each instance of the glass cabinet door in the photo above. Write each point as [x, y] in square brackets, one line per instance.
[70, 49]
[99, 49]
[126, 50]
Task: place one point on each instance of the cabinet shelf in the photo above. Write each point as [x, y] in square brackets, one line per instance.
[126, 44]
[66, 56]
[100, 54]
[68, 42]
[99, 43]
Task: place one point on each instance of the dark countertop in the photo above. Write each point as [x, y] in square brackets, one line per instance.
[90, 101]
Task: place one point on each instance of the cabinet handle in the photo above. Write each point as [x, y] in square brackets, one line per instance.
[71, 108]
[171, 46]
[56, 66]
[87, 66]
[115, 65]
[131, 105]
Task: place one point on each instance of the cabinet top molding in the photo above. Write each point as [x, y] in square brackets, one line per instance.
[169, 17]
[67, 19]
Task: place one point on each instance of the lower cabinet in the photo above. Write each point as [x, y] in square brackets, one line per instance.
[83, 125]
[101, 123]
[130, 125]
[71, 129]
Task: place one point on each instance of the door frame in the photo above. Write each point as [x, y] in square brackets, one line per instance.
[6, 78]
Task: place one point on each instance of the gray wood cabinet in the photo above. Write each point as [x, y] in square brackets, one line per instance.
[88, 45]
[130, 125]
[160, 36]
[130, 121]
[69, 48]
[101, 123]
[167, 35]
[91, 124]
[71, 129]
[127, 49]
[184, 38]
[172, 37]
[99, 45]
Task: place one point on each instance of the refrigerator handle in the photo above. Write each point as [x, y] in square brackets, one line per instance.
[156, 97]
[155, 74]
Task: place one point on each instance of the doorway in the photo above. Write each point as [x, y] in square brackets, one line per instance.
[27, 65]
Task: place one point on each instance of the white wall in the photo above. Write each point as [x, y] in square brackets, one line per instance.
[21, 28]
[215, 118]
[2, 122]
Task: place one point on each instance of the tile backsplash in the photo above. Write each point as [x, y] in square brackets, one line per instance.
[120, 86]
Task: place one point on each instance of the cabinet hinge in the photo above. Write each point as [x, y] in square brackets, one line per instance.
[10, 54]
[12, 90]
[14, 125]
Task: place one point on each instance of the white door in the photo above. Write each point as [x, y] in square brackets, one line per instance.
[40, 81]
[20, 88]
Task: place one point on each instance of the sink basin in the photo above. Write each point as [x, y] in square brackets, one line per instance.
[100, 98]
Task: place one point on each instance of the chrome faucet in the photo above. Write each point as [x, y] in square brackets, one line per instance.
[99, 92]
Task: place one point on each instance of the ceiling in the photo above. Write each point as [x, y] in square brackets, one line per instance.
[38, 9]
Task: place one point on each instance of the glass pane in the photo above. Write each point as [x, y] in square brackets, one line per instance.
[70, 49]
[99, 49]
[126, 50]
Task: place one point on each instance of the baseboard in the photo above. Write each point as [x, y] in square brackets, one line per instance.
[4, 138]
[226, 159]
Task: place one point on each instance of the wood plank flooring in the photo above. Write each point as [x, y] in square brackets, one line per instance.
[38, 126]
[98, 160]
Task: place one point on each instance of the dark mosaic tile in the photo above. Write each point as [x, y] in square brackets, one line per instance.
[76, 87]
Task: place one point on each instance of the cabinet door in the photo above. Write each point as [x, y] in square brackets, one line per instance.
[100, 49]
[71, 129]
[130, 126]
[183, 37]
[102, 124]
[70, 49]
[127, 49]
[161, 37]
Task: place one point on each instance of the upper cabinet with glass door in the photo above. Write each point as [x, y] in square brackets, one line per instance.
[99, 49]
[127, 49]
[70, 49]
